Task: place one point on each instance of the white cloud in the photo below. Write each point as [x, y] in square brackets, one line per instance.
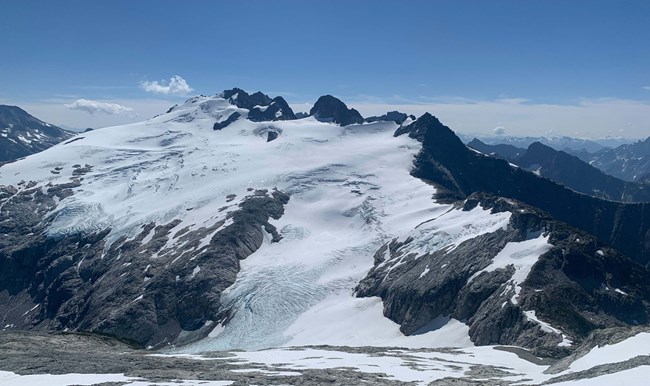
[646, 87]
[175, 86]
[499, 130]
[92, 107]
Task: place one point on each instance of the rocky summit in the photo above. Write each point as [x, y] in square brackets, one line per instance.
[330, 109]
[231, 231]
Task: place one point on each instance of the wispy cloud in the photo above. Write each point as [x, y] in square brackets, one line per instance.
[175, 86]
[646, 87]
[92, 107]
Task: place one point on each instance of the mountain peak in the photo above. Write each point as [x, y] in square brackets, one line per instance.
[330, 109]
[428, 129]
[259, 105]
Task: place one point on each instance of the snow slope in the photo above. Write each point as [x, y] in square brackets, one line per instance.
[350, 191]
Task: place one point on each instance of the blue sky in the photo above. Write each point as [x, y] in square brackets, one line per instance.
[558, 67]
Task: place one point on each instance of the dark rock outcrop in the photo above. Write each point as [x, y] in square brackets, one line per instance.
[394, 116]
[577, 286]
[223, 124]
[145, 288]
[22, 134]
[261, 107]
[458, 172]
[271, 136]
[330, 109]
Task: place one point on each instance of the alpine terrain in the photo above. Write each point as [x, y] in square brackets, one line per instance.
[22, 134]
[232, 241]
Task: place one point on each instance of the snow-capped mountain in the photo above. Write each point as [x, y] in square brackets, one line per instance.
[219, 226]
[21, 134]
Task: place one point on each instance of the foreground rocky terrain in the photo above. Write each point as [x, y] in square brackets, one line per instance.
[84, 359]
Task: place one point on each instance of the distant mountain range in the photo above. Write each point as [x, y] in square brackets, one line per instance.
[567, 170]
[630, 162]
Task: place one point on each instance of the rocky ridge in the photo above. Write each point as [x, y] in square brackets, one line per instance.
[576, 286]
[133, 287]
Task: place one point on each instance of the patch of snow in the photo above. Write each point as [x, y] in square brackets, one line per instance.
[619, 352]
[9, 378]
[24, 140]
[520, 255]
[530, 315]
[196, 270]
[31, 309]
[149, 236]
[637, 376]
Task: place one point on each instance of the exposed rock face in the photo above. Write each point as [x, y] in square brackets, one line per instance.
[21, 134]
[576, 286]
[223, 124]
[418, 129]
[160, 286]
[578, 175]
[394, 116]
[459, 172]
[330, 109]
[260, 106]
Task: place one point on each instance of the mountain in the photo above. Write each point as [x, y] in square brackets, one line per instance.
[330, 109]
[506, 152]
[579, 175]
[557, 143]
[459, 172]
[394, 116]
[630, 162]
[568, 170]
[22, 134]
[171, 234]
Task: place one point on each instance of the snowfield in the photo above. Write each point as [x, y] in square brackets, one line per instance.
[350, 192]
